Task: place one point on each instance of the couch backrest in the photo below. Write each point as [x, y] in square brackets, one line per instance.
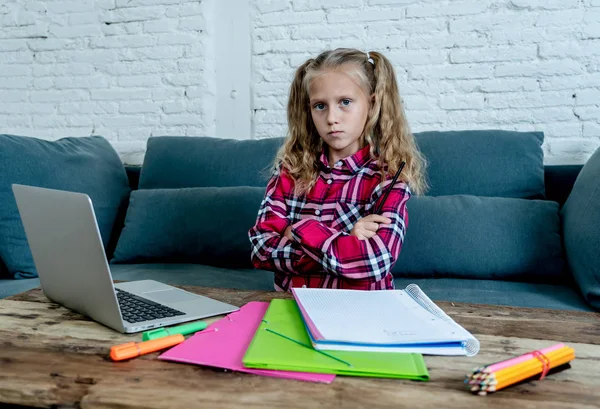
[481, 163]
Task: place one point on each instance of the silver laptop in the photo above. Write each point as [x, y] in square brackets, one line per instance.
[67, 250]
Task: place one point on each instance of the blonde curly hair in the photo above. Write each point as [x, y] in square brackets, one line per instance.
[386, 129]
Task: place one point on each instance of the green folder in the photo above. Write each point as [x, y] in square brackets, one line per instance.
[282, 343]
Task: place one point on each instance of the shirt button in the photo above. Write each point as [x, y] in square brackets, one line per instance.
[339, 163]
[329, 181]
[317, 212]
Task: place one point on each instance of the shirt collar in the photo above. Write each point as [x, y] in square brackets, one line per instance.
[354, 162]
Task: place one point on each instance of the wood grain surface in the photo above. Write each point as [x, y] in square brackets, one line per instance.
[52, 357]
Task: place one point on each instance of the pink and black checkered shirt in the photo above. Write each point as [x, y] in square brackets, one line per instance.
[323, 253]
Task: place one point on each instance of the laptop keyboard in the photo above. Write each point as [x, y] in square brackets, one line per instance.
[136, 309]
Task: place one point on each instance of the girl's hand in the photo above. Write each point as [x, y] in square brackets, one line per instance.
[288, 232]
[366, 227]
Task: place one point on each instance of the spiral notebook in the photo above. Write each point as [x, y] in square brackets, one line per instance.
[381, 321]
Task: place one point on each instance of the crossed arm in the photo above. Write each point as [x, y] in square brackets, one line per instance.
[367, 252]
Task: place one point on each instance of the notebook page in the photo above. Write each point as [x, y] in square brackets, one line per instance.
[373, 317]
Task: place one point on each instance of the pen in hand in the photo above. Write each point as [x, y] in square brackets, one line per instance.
[390, 186]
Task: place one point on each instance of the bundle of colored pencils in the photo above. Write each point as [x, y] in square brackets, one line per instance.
[533, 365]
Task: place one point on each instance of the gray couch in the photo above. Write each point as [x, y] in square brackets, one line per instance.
[490, 230]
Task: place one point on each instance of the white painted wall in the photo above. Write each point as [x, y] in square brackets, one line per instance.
[474, 64]
[128, 69]
[123, 69]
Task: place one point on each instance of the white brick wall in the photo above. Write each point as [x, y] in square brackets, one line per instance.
[475, 64]
[128, 69]
[124, 69]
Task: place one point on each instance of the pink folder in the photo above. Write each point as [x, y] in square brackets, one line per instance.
[223, 345]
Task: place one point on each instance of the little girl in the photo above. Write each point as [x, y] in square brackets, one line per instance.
[347, 137]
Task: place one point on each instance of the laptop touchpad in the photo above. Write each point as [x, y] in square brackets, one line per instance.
[170, 296]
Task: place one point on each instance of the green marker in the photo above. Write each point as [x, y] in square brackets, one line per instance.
[181, 329]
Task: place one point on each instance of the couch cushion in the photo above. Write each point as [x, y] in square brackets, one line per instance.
[482, 237]
[496, 292]
[176, 162]
[581, 230]
[484, 163]
[201, 225]
[481, 163]
[88, 165]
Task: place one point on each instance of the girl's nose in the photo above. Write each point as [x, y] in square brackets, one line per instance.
[332, 116]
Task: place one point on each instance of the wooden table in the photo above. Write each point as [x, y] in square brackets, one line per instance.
[52, 357]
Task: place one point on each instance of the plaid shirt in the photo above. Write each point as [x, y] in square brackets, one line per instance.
[323, 253]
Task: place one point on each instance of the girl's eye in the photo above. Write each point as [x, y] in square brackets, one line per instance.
[319, 106]
[345, 102]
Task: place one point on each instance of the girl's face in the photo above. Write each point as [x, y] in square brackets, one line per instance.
[339, 109]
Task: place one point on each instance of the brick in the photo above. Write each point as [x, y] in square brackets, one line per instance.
[446, 40]
[451, 71]
[407, 27]
[363, 16]
[270, 6]
[560, 17]
[182, 119]
[13, 96]
[136, 3]
[389, 2]
[88, 107]
[65, 7]
[271, 102]
[43, 83]
[132, 14]
[580, 147]
[164, 25]
[121, 29]
[13, 45]
[48, 44]
[537, 35]
[141, 81]
[420, 102]
[80, 82]
[535, 69]
[587, 113]
[123, 42]
[570, 49]
[15, 70]
[486, 54]
[179, 39]
[417, 57]
[453, 102]
[188, 9]
[326, 32]
[174, 107]
[588, 97]
[119, 94]
[195, 23]
[139, 107]
[530, 99]
[543, 4]
[562, 129]
[572, 82]
[428, 117]
[496, 85]
[307, 5]
[591, 129]
[452, 8]
[285, 19]
[57, 96]
[76, 19]
[86, 30]
[20, 107]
